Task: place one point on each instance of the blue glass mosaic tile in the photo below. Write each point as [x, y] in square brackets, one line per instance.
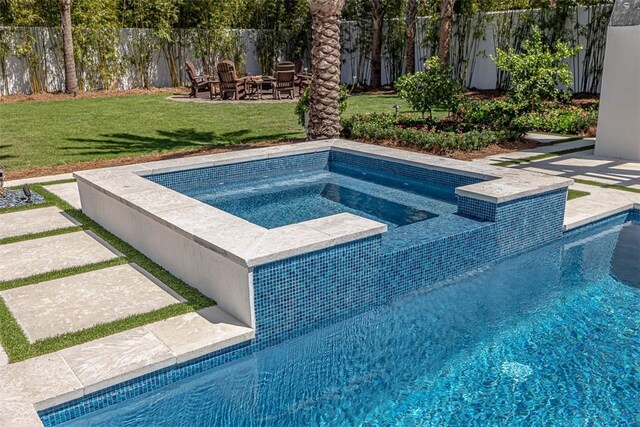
[401, 169]
[299, 294]
[244, 171]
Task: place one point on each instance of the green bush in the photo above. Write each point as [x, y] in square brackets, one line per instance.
[426, 133]
[430, 88]
[494, 113]
[303, 105]
[566, 120]
[536, 72]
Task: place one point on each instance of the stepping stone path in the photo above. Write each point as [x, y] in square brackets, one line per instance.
[67, 192]
[78, 302]
[33, 221]
[31, 257]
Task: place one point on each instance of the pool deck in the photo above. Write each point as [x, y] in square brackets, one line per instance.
[45, 381]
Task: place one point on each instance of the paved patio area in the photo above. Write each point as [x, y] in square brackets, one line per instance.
[79, 301]
[36, 221]
[582, 165]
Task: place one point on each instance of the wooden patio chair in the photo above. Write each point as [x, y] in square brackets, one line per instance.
[285, 80]
[199, 83]
[302, 78]
[229, 81]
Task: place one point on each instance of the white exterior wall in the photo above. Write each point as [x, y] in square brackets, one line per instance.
[481, 71]
[619, 114]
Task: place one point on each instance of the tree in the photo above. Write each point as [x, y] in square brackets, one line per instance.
[70, 78]
[378, 10]
[444, 32]
[411, 14]
[324, 116]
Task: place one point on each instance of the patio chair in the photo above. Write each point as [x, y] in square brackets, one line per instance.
[284, 81]
[230, 82]
[302, 78]
[199, 83]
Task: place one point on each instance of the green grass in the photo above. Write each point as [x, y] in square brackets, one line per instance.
[40, 235]
[52, 133]
[12, 337]
[611, 186]
[574, 194]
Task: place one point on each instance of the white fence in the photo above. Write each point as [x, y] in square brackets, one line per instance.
[475, 39]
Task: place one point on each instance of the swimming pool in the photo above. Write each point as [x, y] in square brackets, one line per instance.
[548, 337]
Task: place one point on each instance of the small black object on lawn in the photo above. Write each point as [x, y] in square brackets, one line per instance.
[2, 180]
[27, 192]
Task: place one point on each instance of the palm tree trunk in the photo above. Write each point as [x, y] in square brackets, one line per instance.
[444, 33]
[70, 78]
[410, 21]
[376, 43]
[324, 96]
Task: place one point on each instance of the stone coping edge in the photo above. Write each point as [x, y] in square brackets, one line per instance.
[250, 245]
[50, 380]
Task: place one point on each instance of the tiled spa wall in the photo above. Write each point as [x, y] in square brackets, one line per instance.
[296, 295]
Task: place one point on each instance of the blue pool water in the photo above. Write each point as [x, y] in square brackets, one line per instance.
[550, 337]
[277, 201]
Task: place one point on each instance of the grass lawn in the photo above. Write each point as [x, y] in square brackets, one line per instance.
[51, 133]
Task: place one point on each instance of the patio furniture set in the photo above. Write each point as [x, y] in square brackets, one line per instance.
[289, 80]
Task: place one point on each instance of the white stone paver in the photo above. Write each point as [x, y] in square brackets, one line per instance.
[585, 165]
[117, 358]
[31, 257]
[45, 381]
[4, 359]
[33, 221]
[78, 302]
[523, 154]
[545, 138]
[67, 192]
[38, 179]
[600, 203]
[208, 330]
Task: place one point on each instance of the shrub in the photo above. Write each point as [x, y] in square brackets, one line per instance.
[424, 133]
[494, 113]
[430, 88]
[536, 73]
[303, 106]
[571, 120]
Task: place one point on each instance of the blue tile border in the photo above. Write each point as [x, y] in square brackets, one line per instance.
[299, 294]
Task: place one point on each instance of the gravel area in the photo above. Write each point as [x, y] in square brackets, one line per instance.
[13, 198]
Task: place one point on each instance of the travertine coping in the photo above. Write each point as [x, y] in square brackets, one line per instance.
[49, 380]
[249, 244]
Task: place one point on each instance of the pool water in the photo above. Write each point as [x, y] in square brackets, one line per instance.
[278, 201]
[550, 337]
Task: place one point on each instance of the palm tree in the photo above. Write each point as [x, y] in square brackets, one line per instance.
[70, 78]
[324, 97]
[444, 33]
[411, 14]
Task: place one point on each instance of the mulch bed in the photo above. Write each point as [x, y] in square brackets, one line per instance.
[491, 150]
